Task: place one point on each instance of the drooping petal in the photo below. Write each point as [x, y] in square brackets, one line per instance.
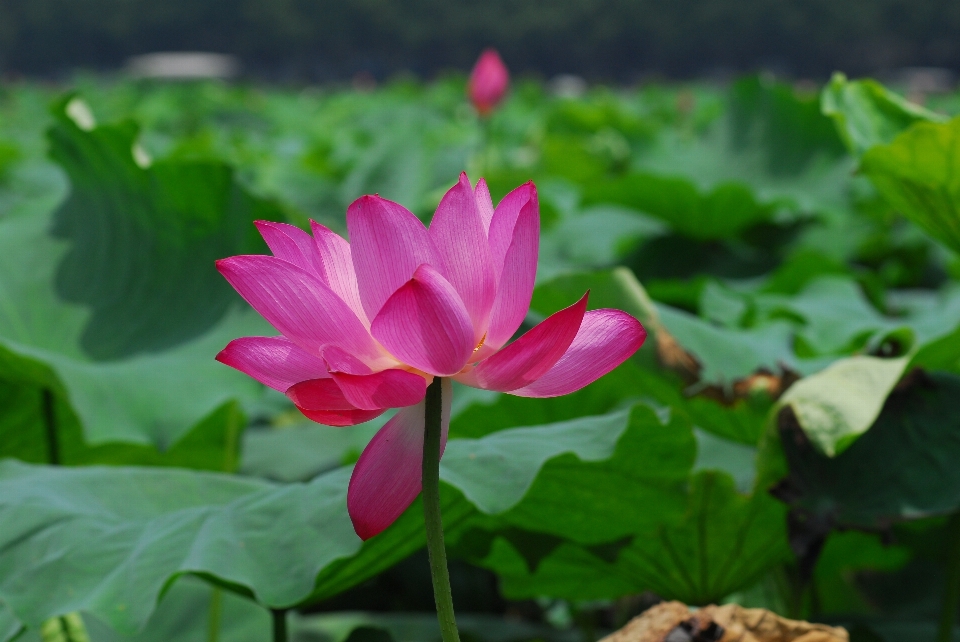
[424, 324]
[484, 204]
[388, 244]
[322, 401]
[291, 244]
[299, 305]
[532, 355]
[273, 361]
[385, 389]
[461, 244]
[605, 340]
[517, 278]
[387, 478]
[336, 268]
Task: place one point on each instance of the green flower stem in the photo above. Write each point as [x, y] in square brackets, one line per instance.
[951, 589]
[213, 622]
[234, 426]
[279, 625]
[431, 513]
[50, 424]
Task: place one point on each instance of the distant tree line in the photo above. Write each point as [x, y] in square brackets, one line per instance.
[601, 39]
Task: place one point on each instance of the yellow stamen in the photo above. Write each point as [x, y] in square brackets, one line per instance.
[480, 345]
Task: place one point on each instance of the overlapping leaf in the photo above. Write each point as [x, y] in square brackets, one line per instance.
[132, 530]
[916, 174]
[133, 233]
[867, 114]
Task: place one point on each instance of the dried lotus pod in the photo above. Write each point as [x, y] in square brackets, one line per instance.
[675, 622]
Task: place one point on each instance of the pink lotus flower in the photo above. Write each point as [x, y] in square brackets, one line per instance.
[488, 82]
[366, 325]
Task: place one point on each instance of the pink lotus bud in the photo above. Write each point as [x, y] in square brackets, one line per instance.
[488, 82]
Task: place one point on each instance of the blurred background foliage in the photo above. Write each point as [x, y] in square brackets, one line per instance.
[785, 439]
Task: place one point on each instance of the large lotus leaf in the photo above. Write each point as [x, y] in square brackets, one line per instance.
[591, 529]
[144, 237]
[722, 212]
[641, 485]
[152, 398]
[493, 483]
[782, 122]
[107, 540]
[184, 612]
[651, 517]
[916, 174]
[723, 542]
[903, 467]
[867, 114]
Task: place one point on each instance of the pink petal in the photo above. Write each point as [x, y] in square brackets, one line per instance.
[387, 478]
[299, 305]
[517, 278]
[424, 324]
[322, 401]
[484, 204]
[341, 418]
[319, 394]
[385, 389]
[460, 241]
[340, 360]
[532, 355]
[389, 243]
[291, 244]
[273, 361]
[505, 219]
[605, 340]
[336, 268]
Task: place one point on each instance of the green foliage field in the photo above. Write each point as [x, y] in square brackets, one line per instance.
[787, 437]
